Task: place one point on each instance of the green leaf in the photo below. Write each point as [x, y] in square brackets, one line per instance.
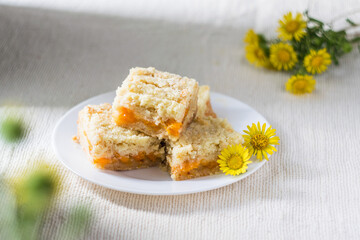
[347, 47]
[262, 38]
[320, 23]
[351, 22]
[263, 43]
[336, 61]
[354, 40]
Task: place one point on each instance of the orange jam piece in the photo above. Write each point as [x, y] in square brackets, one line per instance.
[123, 115]
[101, 162]
[186, 166]
[211, 165]
[151, 125]
[124, 159]
[139, 157]
[173, 127]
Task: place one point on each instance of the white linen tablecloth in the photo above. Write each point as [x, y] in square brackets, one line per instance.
[56, 54]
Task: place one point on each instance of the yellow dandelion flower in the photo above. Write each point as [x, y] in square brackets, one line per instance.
[300, 84]
[260, 141]
[256, 55]
[282, 56]
[234, 160]
[251, 37]
[317, 61]
[292, 28]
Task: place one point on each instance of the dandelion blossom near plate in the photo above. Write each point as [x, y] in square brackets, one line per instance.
[234, 160]
[151, 181]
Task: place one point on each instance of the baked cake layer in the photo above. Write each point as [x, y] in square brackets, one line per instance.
[157, 103]
[112, 147]
[196, 152]
[204, 104]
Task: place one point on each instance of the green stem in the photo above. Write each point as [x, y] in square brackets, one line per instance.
[344, 16]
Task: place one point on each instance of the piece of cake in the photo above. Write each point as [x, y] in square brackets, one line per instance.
[196, 152]
[157, 103]
[204, 104]
[112, 147]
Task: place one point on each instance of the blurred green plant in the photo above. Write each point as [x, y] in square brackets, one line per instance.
[34, 193]
[12, 129]
[27, 201]
[75, 226]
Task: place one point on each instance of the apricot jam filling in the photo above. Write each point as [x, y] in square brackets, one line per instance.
[173, 127]
[127, 160]
[124, 116]
[101, 162]
[188, 166]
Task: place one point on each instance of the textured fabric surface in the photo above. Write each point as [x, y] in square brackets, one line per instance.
[51, 60]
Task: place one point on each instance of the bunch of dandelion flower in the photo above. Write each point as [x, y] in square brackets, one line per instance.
[304, 45]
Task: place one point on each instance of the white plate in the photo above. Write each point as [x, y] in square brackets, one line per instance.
[151, 181]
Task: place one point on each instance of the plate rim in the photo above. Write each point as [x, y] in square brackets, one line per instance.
[129, 190]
